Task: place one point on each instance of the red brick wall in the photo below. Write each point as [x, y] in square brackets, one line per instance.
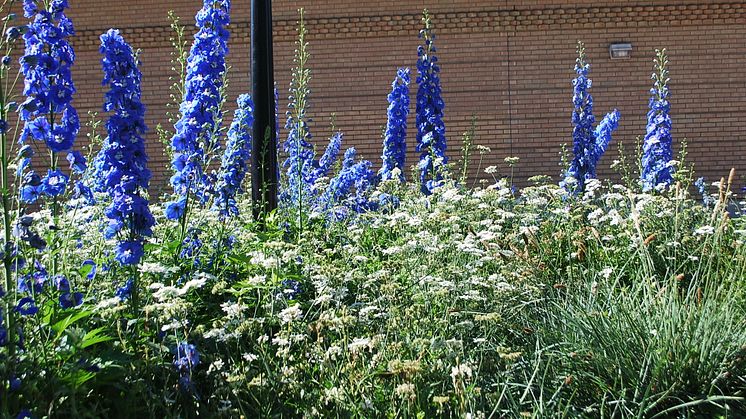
[508, 62]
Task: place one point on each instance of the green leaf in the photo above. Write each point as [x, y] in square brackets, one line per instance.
[78, 378]
[172, 245]
[94, 337]
[239, 259]
[63, 324]
[85, 270]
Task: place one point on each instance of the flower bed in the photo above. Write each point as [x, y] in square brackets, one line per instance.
[367, 294]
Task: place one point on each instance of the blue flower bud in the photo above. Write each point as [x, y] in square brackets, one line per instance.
[12, 33]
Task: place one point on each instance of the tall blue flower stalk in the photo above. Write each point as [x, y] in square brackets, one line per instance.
[300, 161]
[303, 170]
[235, 160]
[121, 165]
[589, 144]
[656, 149]
[431, 131]
[197, 135]
[395, 137]
[47, 113]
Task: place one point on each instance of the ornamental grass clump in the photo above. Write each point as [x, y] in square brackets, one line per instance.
[395, 136]
[653, 327]
[589, 144]
[431, 131]
[121, 165]
[197, 136]
[234, 165]
[657, 171]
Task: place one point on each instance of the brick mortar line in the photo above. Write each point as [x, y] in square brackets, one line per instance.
[506, 20]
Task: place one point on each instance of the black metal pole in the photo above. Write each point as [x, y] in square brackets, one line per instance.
[264, 148]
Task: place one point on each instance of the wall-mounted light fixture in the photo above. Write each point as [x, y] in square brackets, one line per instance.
[619, 51]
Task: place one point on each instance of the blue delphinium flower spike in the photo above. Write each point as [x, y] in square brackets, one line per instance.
[656, 148]
[197, 131]
[395, 137]
[48, 85]
[236, 157]
[47, 113]
[431, 131]
[121, 165]
[300, 164]
[589, 144]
